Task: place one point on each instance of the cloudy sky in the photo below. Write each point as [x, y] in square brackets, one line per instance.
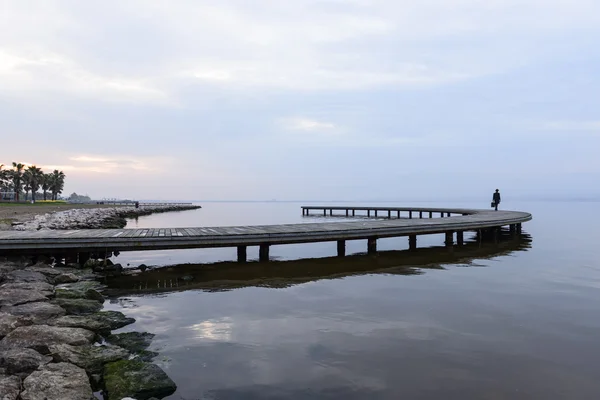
[304, 99]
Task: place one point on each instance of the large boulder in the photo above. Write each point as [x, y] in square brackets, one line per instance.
[44, 269]
[140, 380]
[39, 312]
[10, 387]
[135, 342]
[57, 382]
[10, 322]
[90, 294]
[44, 287]
[89, 357]
[102, 322]
[25, 276]
[40, 337]
[79, 306]
[66, 278]
[22, 362]
[15, 297]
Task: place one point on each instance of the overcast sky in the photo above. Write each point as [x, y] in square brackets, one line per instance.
[304, 99]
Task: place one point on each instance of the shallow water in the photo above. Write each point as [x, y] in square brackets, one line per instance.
[513, 320]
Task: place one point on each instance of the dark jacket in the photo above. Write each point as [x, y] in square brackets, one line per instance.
[497, 197]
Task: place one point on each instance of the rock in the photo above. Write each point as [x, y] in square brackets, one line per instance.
[91, 358]
[25, 276]
[39, 312]
[10, 387]
[38, 286]
[137, 379]
[15, 297]
[90, 294]
[102, 322]
[65, 278]
[40, 337]
[45, 270]
[91, 263]
[22, 362]
[73, 265]
[10, 322]
[84, 285]
[135, 342]
[79, 306]
[143, 267]
[57, 382]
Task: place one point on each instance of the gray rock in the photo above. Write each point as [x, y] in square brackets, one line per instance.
[79, 306]
[45, 287]
[66, 278]
[15, 297]
[10, 387]
[102, 322]
[10, 322]
[135, 342]
[25, 276]
[57, 382]
[40, 337]
[84, 285]
[22, 362]
[90, 294]
[45, 270]
[39, 312]
[140, 380]
[91, 358]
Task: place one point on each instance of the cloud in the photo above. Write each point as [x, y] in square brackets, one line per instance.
[308, 125]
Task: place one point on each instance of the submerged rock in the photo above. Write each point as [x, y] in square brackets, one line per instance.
[79, 306]
[10, 322]
[102, 322]
[57, 382]
[91, 358]
[22, 362]
[135, 342]
[40, 337]
[39, 312]
[140, 380]
[10, 387]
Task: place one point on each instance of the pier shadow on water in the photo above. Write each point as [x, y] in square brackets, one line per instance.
[223, 276]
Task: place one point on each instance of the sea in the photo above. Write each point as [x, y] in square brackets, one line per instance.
[516, 319]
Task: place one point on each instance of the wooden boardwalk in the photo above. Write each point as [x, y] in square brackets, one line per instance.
[419, 221]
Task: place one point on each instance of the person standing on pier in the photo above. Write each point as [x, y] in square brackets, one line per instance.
[496, 199]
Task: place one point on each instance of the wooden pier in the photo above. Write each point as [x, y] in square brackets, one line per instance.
[390, 222]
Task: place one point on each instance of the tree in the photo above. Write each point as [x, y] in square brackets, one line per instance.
[17, 179]
[27, 178]
[57, 183]
[46, 184]
[34, 180]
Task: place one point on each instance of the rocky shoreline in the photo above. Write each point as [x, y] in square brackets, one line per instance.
[95, 218]
[56, 343]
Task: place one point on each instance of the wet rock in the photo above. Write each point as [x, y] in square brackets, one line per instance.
[102, 322]
[25, 276]
[10, 387]
[40, 337]
[90, 294]
[79, 306]
[39, 312]
[65, 278]
[57, 382]
[84, 285]
[10, 322]
[44, 287]
[140, 380]
[135, 342]
[91, 358]
[22, 362]
[15, 297]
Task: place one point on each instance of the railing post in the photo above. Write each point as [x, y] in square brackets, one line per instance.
[372, 245]
[341, 248]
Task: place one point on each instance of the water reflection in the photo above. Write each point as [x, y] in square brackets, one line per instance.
[278, 274]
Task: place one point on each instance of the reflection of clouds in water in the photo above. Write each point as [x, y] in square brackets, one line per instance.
[220, 330]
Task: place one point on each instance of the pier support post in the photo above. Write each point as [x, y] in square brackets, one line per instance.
[242, 254]
[398, 213]
[346, 213]
[353, 213]
[430, 214]
[420, 214]
[412, 242]
[449, 214]
[330, 212]
[513, 230]
[389, 214]
[410, 214]
[71, 258]
[375, 213]
[263, 253]
[324, 212]
[442, 215]
[372, 245]
[449, 242]
[519, 229]
[341, 248]
[83, 257]
[368, 213]
[460, 238]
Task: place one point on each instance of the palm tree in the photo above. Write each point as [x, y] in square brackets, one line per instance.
[17, 179]
[46, 184]
[27, 178]
[34, 177]
[57, 183]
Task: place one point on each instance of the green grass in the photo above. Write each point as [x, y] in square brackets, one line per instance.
[37, 203]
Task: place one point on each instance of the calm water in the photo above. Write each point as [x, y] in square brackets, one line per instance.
[516, 320]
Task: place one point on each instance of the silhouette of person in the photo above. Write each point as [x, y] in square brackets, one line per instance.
[496, 199]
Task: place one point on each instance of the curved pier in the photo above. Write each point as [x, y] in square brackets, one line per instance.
[399, 221]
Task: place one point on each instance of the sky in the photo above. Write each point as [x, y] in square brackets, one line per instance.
[305, 99]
